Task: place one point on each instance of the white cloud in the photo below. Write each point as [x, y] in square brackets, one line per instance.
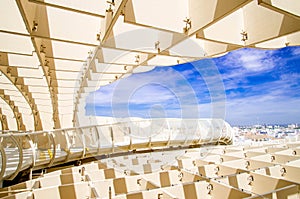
[268, 103]
[151, 94]
[262, 109]
[296, 51]
[252, 60]
[148, 88]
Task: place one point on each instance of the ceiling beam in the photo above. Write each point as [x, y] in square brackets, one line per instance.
[66, 8]
[36, 21]
[14, 109]
[48, 38]
[11, 73]
[4, 125]
[111, 18]
[268, 4]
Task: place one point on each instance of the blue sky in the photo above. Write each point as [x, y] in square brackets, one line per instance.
[246, 86]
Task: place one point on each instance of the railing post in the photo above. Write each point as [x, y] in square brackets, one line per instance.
[130, 144]
[98, 139]
[199, 140]
[169, 131]
[83, 142]
[149, 142]
[112, 139]
[33, 150]
[54, 149]
[68, 145]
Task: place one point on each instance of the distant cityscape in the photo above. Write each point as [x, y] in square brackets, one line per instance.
[267, 132]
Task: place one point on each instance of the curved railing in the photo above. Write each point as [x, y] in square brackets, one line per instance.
[37, 150]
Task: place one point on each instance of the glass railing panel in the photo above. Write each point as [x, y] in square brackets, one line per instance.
[161, 136]
[121, 134]
[159, 130]
[61, 145]
[27, 149]
[177, 132]
[39, 149]
[192, 131]
[11, 150]
[76, 140]
[184, 132]
[105, 133]
[91, 139]
[43, 145]
[205, 130]
[140, 131]
[217, 126]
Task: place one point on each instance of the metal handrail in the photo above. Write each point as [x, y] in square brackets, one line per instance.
[79, 134]
[19, 133]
